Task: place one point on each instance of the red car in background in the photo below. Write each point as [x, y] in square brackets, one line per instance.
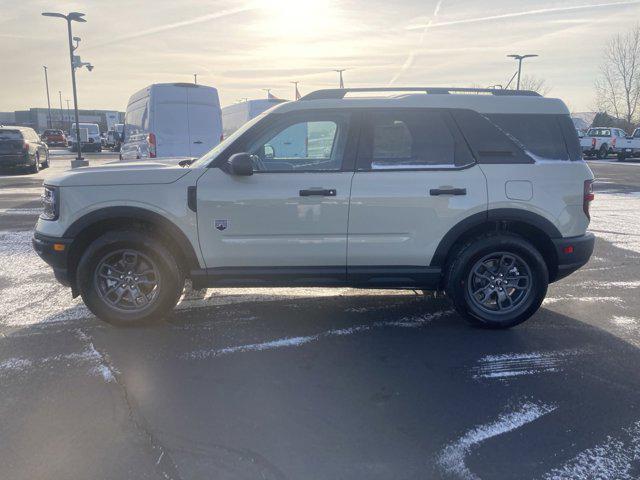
[54, 138]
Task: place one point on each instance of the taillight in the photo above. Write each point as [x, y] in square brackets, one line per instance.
[25, 146]
[221, 137]
[151, 139]
[588, 197]
[593, 143]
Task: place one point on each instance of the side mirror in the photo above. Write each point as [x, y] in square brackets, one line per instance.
[269, 151]
[240, 164]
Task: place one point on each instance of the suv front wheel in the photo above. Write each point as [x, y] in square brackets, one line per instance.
[497, 280]
[129, 276]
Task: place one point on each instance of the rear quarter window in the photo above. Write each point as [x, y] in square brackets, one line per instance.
[540, 135]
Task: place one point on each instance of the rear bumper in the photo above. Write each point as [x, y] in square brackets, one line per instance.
[57, 259]
[573, 253]
[19, 160]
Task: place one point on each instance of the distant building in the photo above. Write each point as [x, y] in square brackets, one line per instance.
[36, 118]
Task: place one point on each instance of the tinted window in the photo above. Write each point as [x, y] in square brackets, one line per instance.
[489, 143]
[412, 140]
[537, 134]
[570, 137]
[312, 145]
[136, 121]
[10, 135]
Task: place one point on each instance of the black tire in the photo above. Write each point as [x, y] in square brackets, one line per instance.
[459, 277]
[603, 152]
[46, 163]
[169, 279]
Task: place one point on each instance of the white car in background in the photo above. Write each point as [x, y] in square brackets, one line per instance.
[169, 120]
[236, 115]
[600, 142]
[630, 146]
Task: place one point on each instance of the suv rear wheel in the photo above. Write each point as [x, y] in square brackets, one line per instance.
[128, 276]
[497, 280]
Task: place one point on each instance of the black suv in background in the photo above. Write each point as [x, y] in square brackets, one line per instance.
[22, 147]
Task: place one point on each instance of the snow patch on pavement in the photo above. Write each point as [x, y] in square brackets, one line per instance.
[14, 365]
[616, 458]
[511, 365]
[452, 458]
[20, 211]
[289, 342]
[552, 300]
[614, 217]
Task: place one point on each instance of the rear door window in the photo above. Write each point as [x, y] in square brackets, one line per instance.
[489, 143]
[412, 140]
[540, 135]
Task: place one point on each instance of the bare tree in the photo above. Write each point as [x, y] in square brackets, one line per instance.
[535, 84]
[618, 86]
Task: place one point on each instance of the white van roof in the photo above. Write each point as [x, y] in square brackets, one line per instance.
[477, 99]
[146, 91]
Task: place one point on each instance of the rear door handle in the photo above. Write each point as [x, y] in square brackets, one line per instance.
[447, 191]
[198, 142]
[320, 192]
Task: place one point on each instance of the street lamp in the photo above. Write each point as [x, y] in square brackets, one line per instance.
[73, 17]
[296, 93]
[195, 78]
[520, 58]
[339, 71]
[46, 82]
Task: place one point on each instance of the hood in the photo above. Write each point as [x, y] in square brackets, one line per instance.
[120, 173]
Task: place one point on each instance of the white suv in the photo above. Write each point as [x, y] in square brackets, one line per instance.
[480, 193]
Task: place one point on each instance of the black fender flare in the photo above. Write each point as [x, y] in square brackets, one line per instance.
[491, 216]
[167, 227]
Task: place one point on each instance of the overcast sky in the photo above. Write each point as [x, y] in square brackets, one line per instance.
[241, 47]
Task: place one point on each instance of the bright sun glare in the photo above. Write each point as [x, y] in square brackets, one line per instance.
[297, 19]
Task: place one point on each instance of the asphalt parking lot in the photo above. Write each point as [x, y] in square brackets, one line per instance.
[325, 383]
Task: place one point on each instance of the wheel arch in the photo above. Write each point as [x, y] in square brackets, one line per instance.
[94, 224]
[532, 226]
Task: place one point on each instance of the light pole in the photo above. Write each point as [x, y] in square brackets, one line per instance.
[340, 70]
[68, 116]
[520, 58]
[268, 90]
[73, 17]
[195, 78]
[61, 112]
[296, 92]
[46, 82]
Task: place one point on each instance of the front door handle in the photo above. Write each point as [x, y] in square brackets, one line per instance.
[447, 191]
[197, 142]
[320, 192]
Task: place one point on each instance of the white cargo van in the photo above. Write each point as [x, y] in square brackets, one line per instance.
[171, 120]
[236, 115]
[89, 137]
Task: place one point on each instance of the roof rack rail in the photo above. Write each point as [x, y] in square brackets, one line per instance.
[339, 93]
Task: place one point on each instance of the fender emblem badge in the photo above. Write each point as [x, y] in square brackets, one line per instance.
[221, 225]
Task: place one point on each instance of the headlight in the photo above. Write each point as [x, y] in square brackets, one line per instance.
[50, 203]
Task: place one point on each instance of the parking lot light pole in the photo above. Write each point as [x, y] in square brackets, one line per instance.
[61, 112]
[46, 82]
[520, 58]
[339, 71]
[73, 17]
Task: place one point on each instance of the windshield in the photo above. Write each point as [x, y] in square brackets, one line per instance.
[213, 153]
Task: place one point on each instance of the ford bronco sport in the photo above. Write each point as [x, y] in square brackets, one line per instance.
[481, 193]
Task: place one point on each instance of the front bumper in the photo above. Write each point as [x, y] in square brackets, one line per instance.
[56, 258]
[573, 253]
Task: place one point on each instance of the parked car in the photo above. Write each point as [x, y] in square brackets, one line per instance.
[90, 138]
[600, 142]
[630, 146]
[483, 196]
[236, 115]
[22, 147]
[54, 138]
[171, 120]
